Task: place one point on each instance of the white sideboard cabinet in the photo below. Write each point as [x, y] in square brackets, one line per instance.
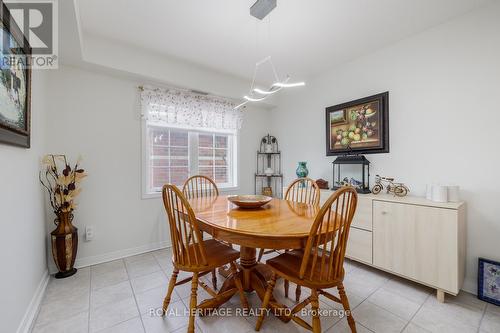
[415, 238]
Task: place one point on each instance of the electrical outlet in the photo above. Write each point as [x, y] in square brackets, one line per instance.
[89, 233]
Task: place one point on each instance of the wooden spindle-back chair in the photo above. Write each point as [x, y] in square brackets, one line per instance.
[201, 186]
[320, 265]
[187, 243]
[303, 190]
[191, 253]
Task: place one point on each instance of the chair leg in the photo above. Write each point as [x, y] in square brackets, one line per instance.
[261, 253]
[265, 302]
[193, 303]
[239, 285]
[347, 309]
[298, 291]
[316, 322]
[286, 285]
[171, 286]
[214, 279]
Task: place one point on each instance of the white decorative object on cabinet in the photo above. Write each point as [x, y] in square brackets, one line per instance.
[412, 237]
[453, 193]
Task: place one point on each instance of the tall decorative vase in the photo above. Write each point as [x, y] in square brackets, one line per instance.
[64, 245]
[302, 171]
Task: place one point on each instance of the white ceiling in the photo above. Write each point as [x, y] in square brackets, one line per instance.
[303, 37]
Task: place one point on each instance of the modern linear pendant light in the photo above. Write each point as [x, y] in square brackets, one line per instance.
[259, 10]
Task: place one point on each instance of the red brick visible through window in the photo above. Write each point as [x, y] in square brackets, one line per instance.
[170, 156]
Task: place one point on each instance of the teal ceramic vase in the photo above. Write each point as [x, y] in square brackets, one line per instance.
[302, 171]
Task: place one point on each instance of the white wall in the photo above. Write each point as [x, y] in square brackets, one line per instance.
[444, 86]
[97, 116]
[22, 218]
[132, 62]
[158, 67]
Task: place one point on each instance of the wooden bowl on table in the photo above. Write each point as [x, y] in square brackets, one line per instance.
[249, 201]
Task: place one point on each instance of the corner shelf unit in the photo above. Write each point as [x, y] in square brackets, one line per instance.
[269, 158]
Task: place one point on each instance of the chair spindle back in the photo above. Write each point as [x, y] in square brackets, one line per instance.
[303, 190]
[199, 186]
[327, 240]
[187, 242]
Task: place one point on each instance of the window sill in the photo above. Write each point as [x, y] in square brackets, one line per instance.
[156, 195]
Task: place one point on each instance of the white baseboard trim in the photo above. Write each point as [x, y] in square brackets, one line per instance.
[115, 255]
[34, 306]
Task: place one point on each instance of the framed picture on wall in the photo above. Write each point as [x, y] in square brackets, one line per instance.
[15, 82]
[358, 127]
[488, 284]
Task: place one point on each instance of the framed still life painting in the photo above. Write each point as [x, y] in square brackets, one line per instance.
[358, 127]
[15, 82]
[488, 284]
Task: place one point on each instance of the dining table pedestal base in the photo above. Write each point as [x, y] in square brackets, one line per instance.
[254, 276]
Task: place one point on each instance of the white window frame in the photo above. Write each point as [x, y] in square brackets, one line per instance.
[193, 156]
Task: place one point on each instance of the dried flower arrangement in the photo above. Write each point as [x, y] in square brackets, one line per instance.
[61, 181]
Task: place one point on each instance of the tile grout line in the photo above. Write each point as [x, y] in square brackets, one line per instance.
[133, 292]
[421, 306]
[135, 298]
[158, 263]
[101, 274]
[408, 321]
[353, 307]
[397, 315]
[35, 324]
[121, 322]
[373, 292]
[168, 277]
[366, 299]
[482, 318]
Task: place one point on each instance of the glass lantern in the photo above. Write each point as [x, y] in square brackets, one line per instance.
[353, 170]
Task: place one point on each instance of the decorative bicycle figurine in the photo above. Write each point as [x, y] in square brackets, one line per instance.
[398, 189]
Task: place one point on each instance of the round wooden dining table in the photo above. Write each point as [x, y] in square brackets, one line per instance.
[280, 224]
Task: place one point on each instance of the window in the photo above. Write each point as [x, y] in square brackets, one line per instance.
[174, 154]
[168, 157]
[186, 134]
[214, 155]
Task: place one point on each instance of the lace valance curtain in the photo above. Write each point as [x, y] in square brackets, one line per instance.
[184, 108]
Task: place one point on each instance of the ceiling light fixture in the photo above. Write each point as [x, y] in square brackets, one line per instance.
[289, 85]
[258, 94]
[266, 92]
[253, 99]
[260, 9]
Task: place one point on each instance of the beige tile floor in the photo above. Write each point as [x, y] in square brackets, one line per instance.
[123, 296]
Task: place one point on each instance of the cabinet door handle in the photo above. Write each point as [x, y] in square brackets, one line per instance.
[384, 213]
